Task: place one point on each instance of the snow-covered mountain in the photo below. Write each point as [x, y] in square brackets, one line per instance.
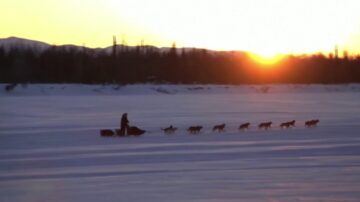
[14, 42]
[38, 46]
[21, 43]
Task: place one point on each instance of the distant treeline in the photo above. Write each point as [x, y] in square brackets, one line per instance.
[145, 64]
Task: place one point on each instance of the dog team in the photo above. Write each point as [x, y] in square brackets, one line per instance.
[245, 126]
[126, 130]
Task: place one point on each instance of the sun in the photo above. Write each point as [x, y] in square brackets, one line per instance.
[266, 59]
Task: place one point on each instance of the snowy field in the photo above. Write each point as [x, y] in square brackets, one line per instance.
[50, 148]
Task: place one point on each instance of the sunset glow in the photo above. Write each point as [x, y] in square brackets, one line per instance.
[266, 28]
[266, 60]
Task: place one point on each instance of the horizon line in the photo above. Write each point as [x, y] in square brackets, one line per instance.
[324, 53]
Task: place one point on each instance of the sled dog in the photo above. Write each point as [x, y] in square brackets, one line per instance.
[265, 125]
[169, 130]
[244, 126]
[312, 123]
[219, 128]
[194, 129]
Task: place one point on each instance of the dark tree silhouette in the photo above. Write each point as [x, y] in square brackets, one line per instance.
[126, 65]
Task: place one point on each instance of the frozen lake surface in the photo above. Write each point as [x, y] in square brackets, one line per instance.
[50, 148]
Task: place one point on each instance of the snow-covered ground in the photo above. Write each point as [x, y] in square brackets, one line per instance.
[50, 148]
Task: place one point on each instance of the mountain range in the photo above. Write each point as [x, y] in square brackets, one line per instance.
[38, 46]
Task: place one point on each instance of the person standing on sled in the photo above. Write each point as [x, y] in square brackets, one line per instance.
[124, 125]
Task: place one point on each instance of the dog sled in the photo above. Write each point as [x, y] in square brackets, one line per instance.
[106, 133]
[132, 131]
[135, 131]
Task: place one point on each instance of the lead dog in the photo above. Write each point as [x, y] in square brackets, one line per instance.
[312, 123]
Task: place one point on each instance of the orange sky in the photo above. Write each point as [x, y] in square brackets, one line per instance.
[266, 27]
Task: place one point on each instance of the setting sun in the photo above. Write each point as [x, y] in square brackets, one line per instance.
[266, 59]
